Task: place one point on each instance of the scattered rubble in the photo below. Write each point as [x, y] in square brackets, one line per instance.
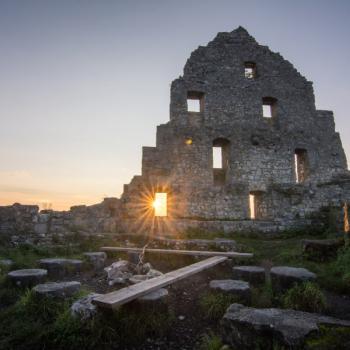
[83, 308]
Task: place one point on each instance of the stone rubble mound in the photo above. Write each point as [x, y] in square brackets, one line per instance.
[123, 271]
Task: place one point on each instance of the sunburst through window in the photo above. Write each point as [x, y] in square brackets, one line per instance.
[160, 204]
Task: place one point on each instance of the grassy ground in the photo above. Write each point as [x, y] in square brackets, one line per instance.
[288, 251]
[29, 323]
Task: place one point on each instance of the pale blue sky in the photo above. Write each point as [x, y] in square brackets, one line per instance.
[83, 84]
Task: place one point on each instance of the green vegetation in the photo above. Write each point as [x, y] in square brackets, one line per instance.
[214, 304]
[329, 338]
[34, 320]
[331, 275]
[26, 320]
[263, 297]
[305, 297]
[211, 341]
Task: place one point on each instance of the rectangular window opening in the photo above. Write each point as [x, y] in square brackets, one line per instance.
[249, 70]
[267, 111]
[195, 101]
[269, 107]
[193, 105]
[217, 157]
[160, 204]
[301, 165]
[252, 206]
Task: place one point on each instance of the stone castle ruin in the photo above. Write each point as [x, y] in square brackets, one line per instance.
[245, 150]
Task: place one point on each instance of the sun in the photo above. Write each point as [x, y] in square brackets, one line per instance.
[159, 204]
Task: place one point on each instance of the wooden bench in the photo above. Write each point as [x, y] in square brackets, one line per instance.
[176, 251]
[114, 299]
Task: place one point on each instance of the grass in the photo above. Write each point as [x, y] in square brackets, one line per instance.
[331, 275]
[211, 341]
[305, 297]
[214, 304]
[47, 322]
[29, 323]
[329, 338]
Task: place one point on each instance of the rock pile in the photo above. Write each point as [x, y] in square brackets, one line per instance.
[123, 271]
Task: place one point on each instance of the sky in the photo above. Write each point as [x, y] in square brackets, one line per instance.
[83, 84]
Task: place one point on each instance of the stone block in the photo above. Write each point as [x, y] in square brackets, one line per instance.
[27, 277]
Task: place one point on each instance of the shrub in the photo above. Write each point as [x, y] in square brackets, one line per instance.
[305, 297]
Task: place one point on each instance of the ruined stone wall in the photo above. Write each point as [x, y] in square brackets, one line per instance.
[259, 152]
[26, 224]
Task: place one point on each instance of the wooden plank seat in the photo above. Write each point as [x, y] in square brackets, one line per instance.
[114, 299]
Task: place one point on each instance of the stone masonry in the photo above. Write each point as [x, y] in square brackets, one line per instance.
[26, 224]
[285, 167]
[281, 163]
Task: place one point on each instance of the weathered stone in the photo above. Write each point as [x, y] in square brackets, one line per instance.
[157, 295]
[119, 272]
[244, 327]
[235, 287]
[285, 276]
[252, 274]
[138, 278]
[59, 267]
[117, 267]
[57, 289]
[233, 80]
[83, 308]
[154, 273]
[27, 277]
[96, 259]
[321, 249]
[143, 269]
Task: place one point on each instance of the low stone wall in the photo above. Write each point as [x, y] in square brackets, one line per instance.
[174, 227]
[26, 224]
